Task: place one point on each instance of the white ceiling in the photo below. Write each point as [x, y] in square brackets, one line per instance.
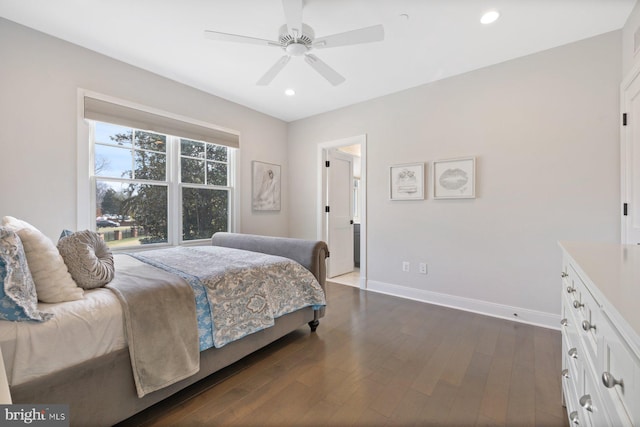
[441, 38]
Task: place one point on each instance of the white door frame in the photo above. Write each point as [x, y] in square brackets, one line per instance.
[322, 195]
[626, 153]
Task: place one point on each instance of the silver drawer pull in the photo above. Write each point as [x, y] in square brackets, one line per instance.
[576, 304]
[565, 373]
[564, 274]
[573, 353]
[564, 322]
[586, 325]
[570, 289]
[610, 381]
[585, 402]
[574, 417]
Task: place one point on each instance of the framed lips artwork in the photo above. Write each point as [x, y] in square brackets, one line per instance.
[454, 178]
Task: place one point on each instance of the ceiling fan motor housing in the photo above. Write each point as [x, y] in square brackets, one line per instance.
[296, 44]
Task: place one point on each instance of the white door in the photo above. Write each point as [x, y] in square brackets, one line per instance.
[630, 158]
[340, 213]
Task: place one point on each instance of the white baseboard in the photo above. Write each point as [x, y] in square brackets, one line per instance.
[516, 314]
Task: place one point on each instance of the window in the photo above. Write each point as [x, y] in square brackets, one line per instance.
[204, 171]
[152, 187]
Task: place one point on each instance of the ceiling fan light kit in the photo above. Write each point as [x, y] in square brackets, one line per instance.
[298, 39]
[294, 45]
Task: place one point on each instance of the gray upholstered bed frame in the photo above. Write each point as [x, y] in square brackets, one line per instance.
[101, 392]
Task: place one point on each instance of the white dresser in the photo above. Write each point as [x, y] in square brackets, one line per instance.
[601, 333]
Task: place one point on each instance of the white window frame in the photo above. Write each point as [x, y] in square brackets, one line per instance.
[176, 169]
[86, 184]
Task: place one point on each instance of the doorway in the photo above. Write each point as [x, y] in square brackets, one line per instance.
[630, 157]
[340, 217]
[344, 229]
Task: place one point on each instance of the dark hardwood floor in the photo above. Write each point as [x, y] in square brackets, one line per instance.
[378, 360]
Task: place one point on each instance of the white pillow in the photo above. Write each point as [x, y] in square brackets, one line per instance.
[49, 272]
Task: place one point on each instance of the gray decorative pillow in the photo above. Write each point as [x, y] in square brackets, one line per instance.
[88, 259]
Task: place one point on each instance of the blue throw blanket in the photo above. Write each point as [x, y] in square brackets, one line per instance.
[237, 292]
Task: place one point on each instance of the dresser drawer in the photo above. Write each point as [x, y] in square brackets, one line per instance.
[587, 313]
[619, 375]
[572, 381]
[573, 354]
[569, 391]
[592, 405]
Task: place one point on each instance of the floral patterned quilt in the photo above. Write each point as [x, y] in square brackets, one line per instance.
[237, 292]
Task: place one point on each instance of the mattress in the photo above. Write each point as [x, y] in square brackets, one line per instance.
[79, 331]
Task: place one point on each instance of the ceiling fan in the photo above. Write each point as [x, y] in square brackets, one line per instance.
[298, 39]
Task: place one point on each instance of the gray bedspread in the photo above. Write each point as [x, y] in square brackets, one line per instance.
[160, 323]
[182, 300]
[238, 292]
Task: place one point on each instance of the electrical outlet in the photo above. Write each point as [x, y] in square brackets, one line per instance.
[423, 268]
[405, 266]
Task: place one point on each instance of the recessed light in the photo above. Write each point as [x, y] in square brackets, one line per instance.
[404, 16]
[289, 92]
[490, 16]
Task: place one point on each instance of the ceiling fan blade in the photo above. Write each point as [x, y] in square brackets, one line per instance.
[363, 35]
[273, 71]
[293, 15]
[226, 37]
[324, 70]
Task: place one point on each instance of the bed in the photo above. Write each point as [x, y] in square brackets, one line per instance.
[84, 355]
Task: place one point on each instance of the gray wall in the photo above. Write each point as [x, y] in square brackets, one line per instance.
[39, 80]
[544, 129]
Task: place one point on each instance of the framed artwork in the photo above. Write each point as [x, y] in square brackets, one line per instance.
[265, 194]
[454, 178]
[406, 181]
